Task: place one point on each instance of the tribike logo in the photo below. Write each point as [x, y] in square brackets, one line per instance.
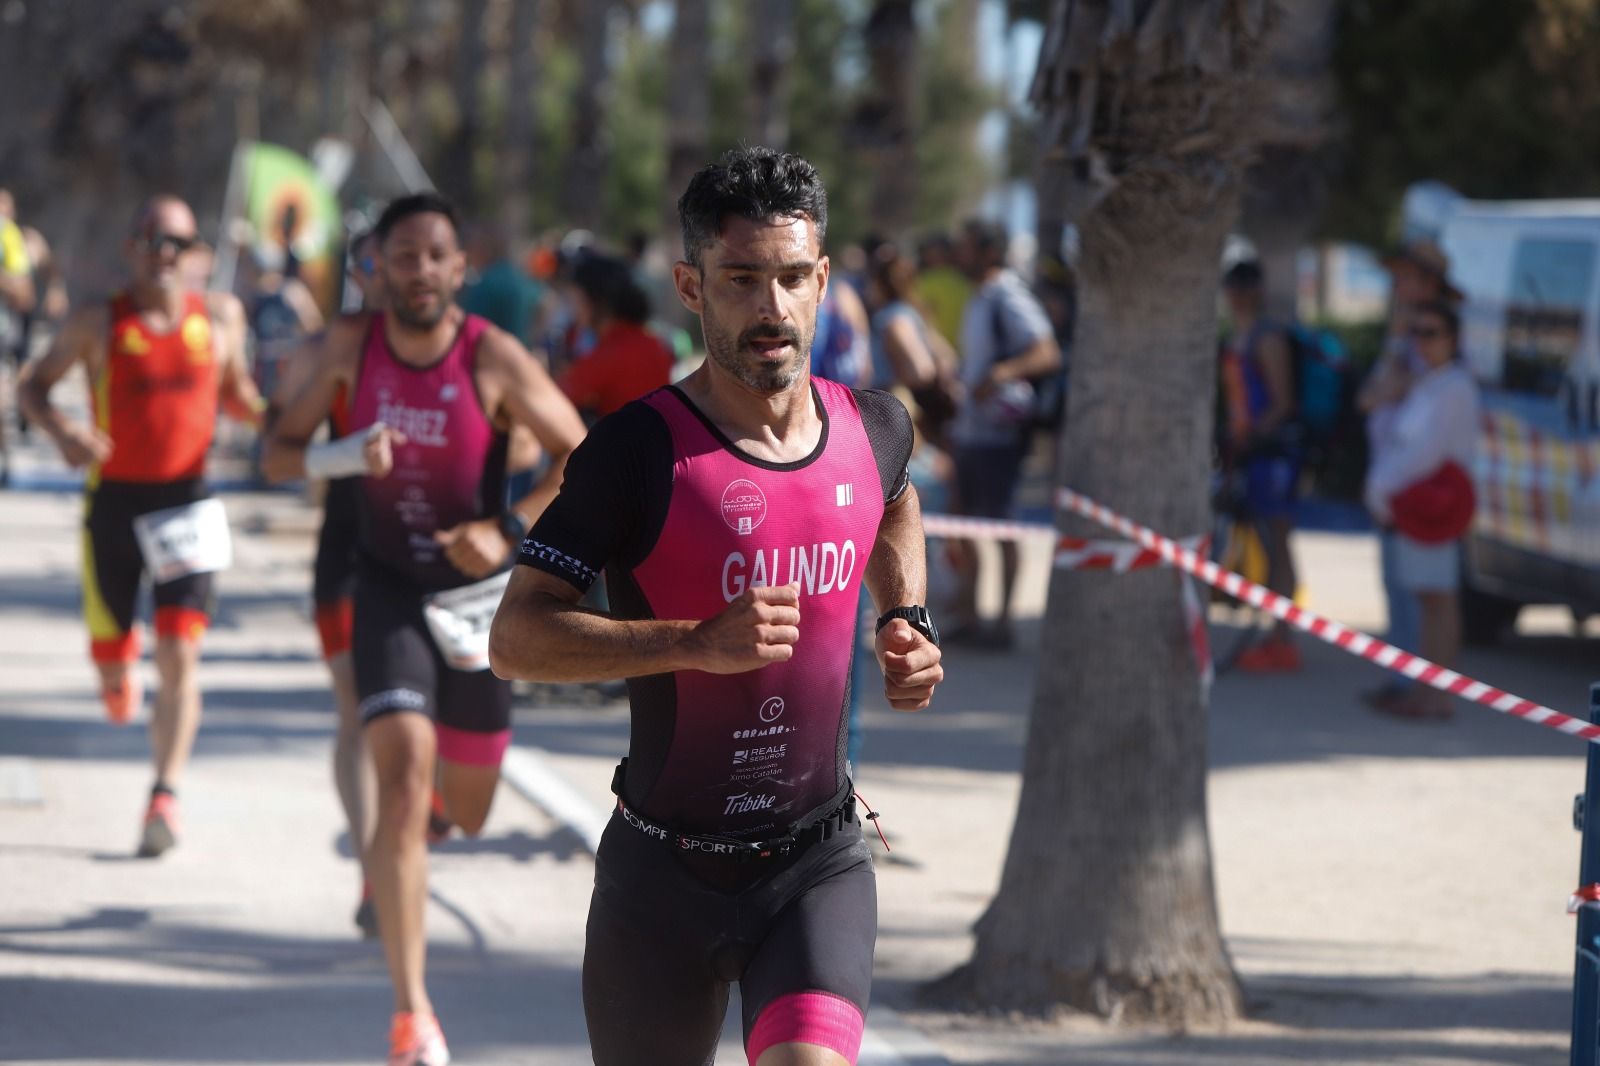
[744, 506]
[772, 710]
[748, 803]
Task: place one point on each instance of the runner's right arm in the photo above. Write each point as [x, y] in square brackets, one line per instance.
[284, 449]
[541, 634]
[82, 340]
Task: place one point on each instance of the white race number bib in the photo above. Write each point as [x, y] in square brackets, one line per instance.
[459, 620]
[179, 541]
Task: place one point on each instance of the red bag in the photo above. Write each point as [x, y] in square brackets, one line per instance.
[1439, 508]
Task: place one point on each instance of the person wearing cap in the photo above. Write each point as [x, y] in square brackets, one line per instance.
[1419, 491]
[1419, 273]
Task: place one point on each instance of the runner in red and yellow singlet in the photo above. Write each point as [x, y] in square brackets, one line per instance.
[159, 360]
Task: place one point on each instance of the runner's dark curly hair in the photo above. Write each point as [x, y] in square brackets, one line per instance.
[754, 183]
[419, 203]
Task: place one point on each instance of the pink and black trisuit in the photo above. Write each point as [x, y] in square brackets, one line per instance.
[682, 522]
[450, 470]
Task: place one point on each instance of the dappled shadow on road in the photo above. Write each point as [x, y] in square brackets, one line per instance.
[1291, 1018]
[221, 734]
[335, 1008]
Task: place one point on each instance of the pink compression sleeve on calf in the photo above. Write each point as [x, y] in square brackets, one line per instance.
[808, 1018]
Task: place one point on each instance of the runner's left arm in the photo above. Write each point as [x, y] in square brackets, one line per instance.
[241, 400]
[529, 397]
[897, 571]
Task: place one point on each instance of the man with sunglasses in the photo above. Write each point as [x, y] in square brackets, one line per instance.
[159, 358]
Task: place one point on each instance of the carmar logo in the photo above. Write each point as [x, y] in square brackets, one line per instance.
[770, 731]
[747, 803]
[772, 710]
[744, 506]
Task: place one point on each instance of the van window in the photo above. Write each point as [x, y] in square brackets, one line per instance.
[1551, 283]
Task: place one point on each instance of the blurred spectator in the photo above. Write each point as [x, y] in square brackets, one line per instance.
[1419, 274]
[497, 288]
[16, 302]
[1420, 491]
[49, 308]
[280, 310]
[1257, 368]
[906, 350]
[941, 286]
[16, 272]
[627, 360]
[841, 347]
[1006, 342]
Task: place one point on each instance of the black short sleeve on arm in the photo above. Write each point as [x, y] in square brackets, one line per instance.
[888, 426]
[612, 499]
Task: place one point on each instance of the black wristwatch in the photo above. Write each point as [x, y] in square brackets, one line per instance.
[514, 527]
[919, 618]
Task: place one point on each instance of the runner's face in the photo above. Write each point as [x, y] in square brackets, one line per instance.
[757, 295]
[420, 269]
[156, 251]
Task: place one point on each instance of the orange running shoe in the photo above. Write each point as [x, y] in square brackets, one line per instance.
[160, 826]
[416, 1040]
[123, 702]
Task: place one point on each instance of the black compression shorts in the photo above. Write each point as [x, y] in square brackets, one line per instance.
[399, 668]
[333, 572]
[663, 947]
[113, 567]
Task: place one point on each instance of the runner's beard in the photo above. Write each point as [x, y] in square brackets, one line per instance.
[421, 322]
[734, 354]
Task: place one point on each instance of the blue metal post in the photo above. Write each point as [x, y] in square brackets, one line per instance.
[1586, 980]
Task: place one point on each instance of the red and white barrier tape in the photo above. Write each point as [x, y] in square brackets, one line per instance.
[1078, 553]
[949, 525]
[1326, 629]
[1072, 553]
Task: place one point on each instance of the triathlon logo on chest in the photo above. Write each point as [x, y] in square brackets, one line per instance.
[744, 506]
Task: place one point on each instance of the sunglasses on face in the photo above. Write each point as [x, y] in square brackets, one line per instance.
[160, 242]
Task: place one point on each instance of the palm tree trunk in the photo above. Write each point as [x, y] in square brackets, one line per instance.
[888, 131]
[689, 117]
[456, 170]
[586, 162]
[770, 27]
[519, 139]
[1106, 902]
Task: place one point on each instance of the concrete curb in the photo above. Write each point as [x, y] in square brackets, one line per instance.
[888, 1041]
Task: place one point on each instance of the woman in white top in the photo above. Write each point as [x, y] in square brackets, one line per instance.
[1436, 424]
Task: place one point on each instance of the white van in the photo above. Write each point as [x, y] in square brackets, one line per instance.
[1530, 331]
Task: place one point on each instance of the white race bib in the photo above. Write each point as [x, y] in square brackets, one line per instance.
[459, 620]
[179, 541]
